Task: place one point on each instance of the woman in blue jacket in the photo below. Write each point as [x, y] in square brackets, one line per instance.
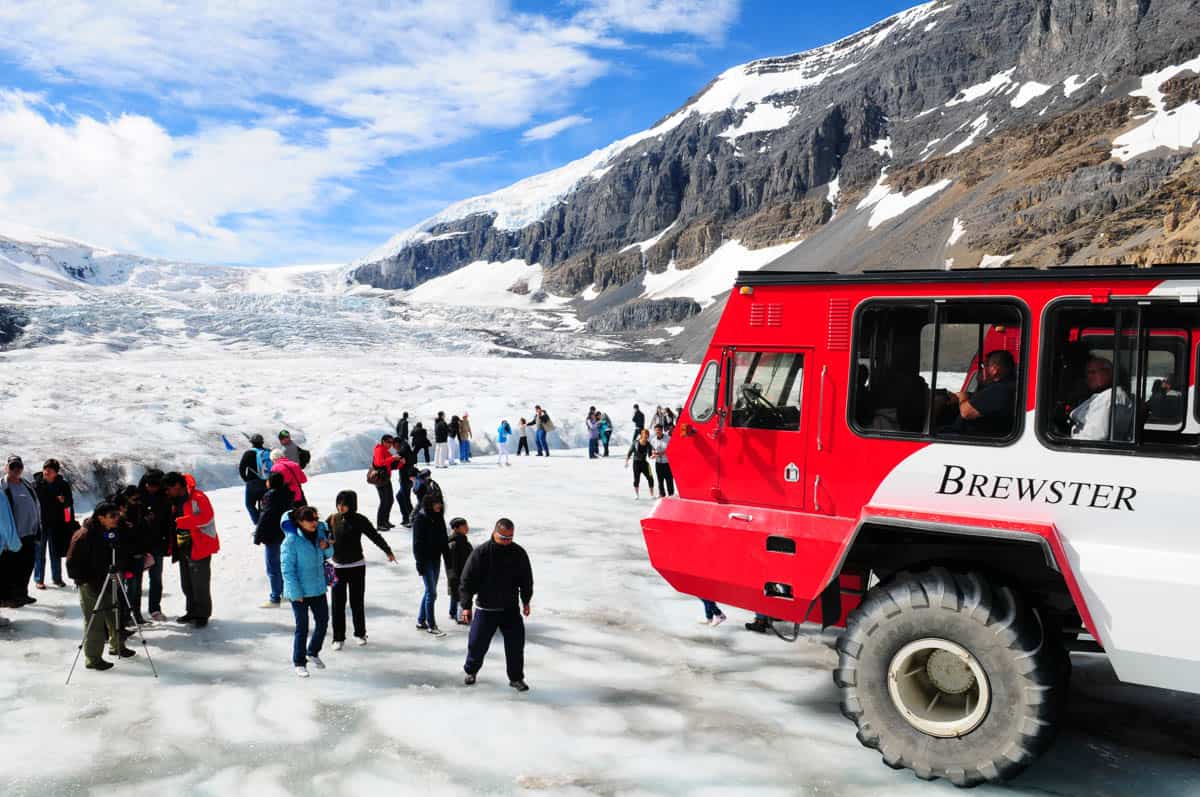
[305, 550]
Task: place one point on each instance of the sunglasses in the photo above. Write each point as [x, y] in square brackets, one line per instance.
[504, 536]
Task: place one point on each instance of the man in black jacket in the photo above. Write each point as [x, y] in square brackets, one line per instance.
[159, 517]
[88, 560]
[408, 472]
[497, 577]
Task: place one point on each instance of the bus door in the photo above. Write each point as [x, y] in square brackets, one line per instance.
[762, 448]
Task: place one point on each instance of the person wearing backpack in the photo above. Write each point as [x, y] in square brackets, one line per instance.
[255, 469]
[346, 531]
[424, 485]
[503, 435]
[306, 548]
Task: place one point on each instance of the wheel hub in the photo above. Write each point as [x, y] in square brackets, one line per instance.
[939, 687]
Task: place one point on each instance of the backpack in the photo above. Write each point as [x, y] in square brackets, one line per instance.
[305, 458]
[507, 428]
[263, 458]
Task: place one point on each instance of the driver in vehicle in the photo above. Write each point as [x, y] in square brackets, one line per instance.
[989, 410]
[1089, 421]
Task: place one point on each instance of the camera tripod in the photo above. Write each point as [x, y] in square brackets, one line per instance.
[114, 583]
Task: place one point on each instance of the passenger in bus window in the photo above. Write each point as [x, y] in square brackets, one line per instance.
[989, 410]
[1090, 421]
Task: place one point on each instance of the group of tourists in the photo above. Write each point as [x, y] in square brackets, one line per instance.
[130, 535]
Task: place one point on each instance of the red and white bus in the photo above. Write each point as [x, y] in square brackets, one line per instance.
[833, 467]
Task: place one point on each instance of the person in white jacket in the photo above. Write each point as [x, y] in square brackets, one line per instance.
[503, 436]
[1090, 420]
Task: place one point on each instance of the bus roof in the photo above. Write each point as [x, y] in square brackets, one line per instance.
[1023, 274]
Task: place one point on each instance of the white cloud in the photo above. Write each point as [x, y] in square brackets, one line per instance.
[708, 19]
[551, 129]
[284, 105]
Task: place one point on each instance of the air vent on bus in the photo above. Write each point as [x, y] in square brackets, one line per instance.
[758, 315]
[839, 325]
[774, 315]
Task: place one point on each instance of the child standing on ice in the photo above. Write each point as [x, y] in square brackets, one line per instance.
[456, 561]
[503, 435]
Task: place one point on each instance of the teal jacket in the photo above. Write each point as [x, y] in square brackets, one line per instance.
[302, 562]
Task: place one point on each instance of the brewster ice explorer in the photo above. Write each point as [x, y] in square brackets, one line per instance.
[966, 473]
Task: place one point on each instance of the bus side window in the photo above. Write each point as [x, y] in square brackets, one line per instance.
[1119, 374]
[704, 403]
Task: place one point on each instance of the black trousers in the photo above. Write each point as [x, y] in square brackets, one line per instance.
[665, 480]
[484, 626]
[384, 516]
[16, 568]
[642, 468]
[405, 498]
[354, 581]
[523, 445]
[195, 578]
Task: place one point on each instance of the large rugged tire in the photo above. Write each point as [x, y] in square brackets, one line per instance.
[991, 623]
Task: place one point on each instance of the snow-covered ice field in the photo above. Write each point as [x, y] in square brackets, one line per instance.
[629, 694]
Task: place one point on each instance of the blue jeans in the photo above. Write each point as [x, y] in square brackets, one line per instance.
[539, 439]
[254, 491]
[464, 450]
[454, 607]
[44, 549]
[593, 447]
[711, 609]
[430, 577]
[320, 612]
[274, 570]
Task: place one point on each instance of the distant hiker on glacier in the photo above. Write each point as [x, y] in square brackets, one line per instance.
[402, 427]
[543, 426]
[593, 429]
[420, 442]
[441, 439]
[255, 469]
[522, 437]
[503, 437]
[606, 431]
[452, 442]
[639, 421]
[464, 438]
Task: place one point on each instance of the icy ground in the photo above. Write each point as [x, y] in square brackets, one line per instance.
[629, 695]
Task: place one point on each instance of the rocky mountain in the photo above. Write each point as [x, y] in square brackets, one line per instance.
[959, 133]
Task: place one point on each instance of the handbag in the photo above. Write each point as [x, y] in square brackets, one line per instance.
[331, 578]
[376, 475]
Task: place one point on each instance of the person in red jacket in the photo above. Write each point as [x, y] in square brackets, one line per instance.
[383, 463]
[293, 475]
[195, 542]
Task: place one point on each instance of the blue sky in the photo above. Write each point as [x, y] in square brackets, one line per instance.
[248, 133]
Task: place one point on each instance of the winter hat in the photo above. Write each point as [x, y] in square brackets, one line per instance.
[15, 462]
[284, 433]
[256, 440]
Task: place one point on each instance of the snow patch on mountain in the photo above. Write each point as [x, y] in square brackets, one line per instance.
[893, 205]
[765, 117]
[883, 147]
[1175, 129]
[957, 232]
[977, 127]
[650, 242]
[713, 277]
[998, 81]
[1073, 84]
[1028, 93]
[484, 284]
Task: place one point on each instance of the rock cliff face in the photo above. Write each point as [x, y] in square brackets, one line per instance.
[12, 323]
[958, 133]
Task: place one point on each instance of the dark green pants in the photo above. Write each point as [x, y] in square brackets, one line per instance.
[104, 624]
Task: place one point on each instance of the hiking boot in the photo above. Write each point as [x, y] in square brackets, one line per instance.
[124, 653]
[99, 664]
[59, 582]
[187, 618]
[302, 672]
[435, 631]
[422, 627]
[360, 640]
[759, 626]
[470, 679]
[269, 604]
[338, 645]
[316, 662]
[520, 686]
